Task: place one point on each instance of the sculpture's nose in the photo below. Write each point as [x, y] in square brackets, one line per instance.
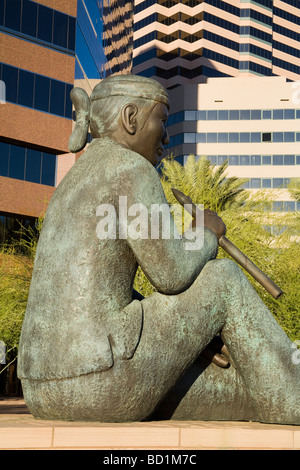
[166, 138]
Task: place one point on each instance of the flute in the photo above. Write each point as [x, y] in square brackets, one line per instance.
[233, 251]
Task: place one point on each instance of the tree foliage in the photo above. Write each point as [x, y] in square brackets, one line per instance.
[270, 240]
[16, 264]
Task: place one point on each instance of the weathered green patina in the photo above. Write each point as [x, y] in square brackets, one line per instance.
[90, 348]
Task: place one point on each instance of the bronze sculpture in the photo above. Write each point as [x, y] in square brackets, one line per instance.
[91, 349]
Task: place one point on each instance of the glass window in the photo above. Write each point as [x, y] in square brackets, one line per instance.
[72, 33]
[26, 86]
[190, 115]
[277, 136]
[212, 159]
[234, 160]
[277, 159]
[255, 137]
[60, 29]
[234, 137]
[29, 18]
[48, 169]
[57, 98]
[286, 182]
[297, 135]
[201, 138]
[17, 162]
[68, 107]
[4, 158]
[13, 14]
[267, 114]
[289, 114]
[277, 206]
[223, 115]
[10, 78]
[255, 160]
[289, 136]
[189, 138]
[245, 137]
[1, 12]
[245, 114]
[212, 115]
[255, 114]
[298, 206]
[41, 93]
[234, 115]
[222, 159]
[246, 185]
[266, 160]
[278, 183]
[255, 183]
[289, 206]
[298, 160]
[33, 166]
[244, 159]
[201, 115]
[267, 137]
[45, 24]
[298, 113]
[277, 113]
[223, 137]
[212, 137]
[266, 183]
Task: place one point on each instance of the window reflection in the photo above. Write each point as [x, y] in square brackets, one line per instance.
[27, 164]
[25, 88]
[37, 91]
[17, 162]
[29, 19]
[12, 15]
[39, 22]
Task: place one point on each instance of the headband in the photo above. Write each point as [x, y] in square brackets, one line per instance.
[130, 85]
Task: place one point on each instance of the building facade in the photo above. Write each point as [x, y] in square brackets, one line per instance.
[118, 35]
[253, 122]
[37, 50]
[184, 41]
[46, 47]
[238, 64]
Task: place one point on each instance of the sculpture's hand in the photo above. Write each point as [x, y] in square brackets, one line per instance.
[213, 222]
[217, 353]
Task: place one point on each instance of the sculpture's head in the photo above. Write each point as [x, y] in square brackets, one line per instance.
[131, 110]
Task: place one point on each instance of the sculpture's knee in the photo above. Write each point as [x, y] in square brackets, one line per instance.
[224, 268]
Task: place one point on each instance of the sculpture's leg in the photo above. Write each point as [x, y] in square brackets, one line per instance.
[266, 383]
[176, 328]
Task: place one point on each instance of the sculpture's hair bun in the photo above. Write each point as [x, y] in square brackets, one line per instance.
[82, 104]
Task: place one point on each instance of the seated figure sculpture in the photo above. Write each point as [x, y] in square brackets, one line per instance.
[91, 348]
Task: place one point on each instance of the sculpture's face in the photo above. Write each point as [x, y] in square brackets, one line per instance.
[154, 135]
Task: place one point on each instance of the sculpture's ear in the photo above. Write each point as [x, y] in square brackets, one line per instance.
[128, 116]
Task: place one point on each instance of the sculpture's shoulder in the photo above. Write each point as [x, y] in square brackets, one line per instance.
[120, 168]
[108, 161]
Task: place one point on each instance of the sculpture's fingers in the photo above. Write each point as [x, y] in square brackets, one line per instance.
[216, 358]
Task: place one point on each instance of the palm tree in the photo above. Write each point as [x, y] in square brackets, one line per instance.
[294, 188]
[204, 182]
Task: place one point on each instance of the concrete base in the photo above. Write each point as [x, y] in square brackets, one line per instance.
[19, 430]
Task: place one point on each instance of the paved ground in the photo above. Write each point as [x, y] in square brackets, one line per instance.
[20, 430]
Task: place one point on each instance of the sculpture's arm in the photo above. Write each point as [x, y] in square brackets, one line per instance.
[169, 263]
